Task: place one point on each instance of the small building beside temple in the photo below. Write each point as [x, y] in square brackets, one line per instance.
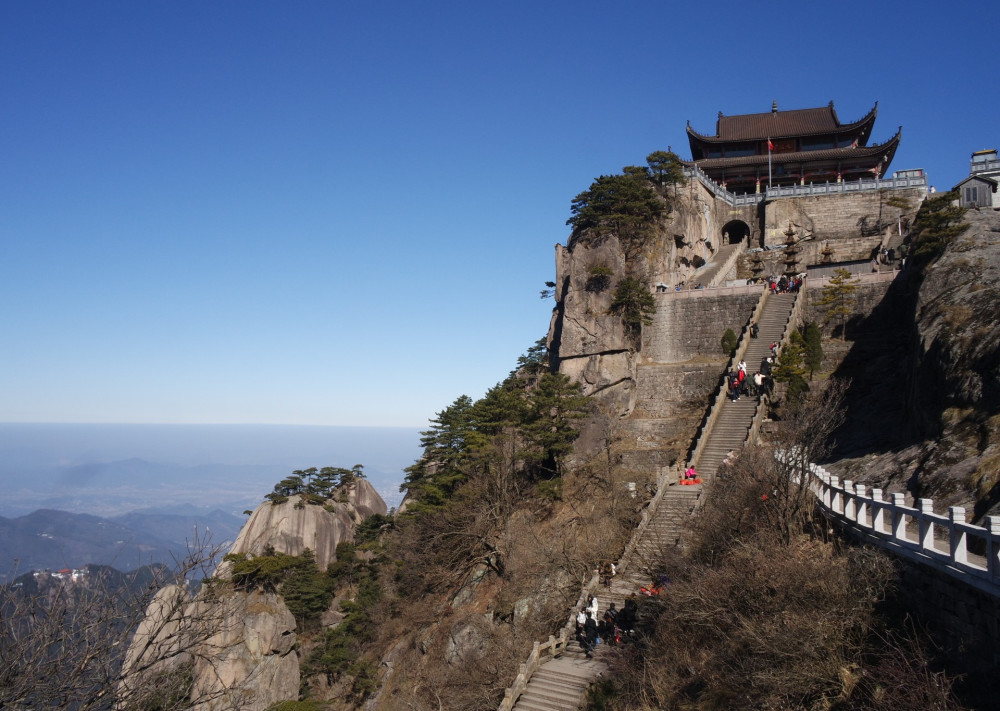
[980, 188]
[781, 148]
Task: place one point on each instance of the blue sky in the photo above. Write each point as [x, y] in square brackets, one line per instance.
[342, 213]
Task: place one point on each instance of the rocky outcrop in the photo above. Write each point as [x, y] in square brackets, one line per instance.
[223, 650]
[586, 340]
[924, 407]
[956, 377]
[248, 663]
[234, 649]
[364, 500]
[293, 526]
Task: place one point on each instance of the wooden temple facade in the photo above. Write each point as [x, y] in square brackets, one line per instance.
[795, 147]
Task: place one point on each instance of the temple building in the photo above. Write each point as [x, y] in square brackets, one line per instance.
[795, 147]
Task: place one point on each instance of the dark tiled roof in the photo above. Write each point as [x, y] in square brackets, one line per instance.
[991, 181]
[782, 124]
[888, 148]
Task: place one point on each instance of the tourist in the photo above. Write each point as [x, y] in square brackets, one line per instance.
[607, 574]
[589, 636]
[753, 330]
[629, 614]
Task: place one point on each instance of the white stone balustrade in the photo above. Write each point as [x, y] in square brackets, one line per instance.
[916, 533]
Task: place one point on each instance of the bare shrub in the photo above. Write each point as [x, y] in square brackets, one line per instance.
[63, 644]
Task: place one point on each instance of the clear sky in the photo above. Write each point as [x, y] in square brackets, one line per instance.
[342, 213]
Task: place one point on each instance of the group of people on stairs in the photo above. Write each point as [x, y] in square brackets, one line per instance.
[593, 629]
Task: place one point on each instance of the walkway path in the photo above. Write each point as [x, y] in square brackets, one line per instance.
[735, 418]
[561, 683]
[721, 263]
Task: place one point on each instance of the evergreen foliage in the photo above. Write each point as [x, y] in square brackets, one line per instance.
[938, 222]
[315, 486]
[528, 422]
[837, 299]
[340, 649]
[812, 348]
[729, 342]
[791, 368]
[598, 278]
[666, 168]
[635, 305]
[624, 205]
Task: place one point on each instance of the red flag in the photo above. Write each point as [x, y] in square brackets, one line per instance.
[770, 146]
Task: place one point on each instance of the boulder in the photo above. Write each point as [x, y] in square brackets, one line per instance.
[290, 528]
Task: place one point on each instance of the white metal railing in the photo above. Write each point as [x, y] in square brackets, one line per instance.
[948, 543]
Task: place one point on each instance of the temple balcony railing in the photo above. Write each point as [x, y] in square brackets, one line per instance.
[990, 166]
[809, 189]
[853, 186]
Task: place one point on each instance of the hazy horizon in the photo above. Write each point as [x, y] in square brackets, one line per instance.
[110, 469]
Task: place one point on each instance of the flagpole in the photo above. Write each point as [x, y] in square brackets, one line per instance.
[768, 164]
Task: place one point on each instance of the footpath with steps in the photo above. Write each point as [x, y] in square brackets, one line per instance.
[735, 418]
[560, 684]
[714, 272]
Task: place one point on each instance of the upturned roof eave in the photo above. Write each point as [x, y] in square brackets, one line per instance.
[887, 150]
[859, 126]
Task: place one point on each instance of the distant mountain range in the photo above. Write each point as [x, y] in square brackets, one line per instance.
[129, 495]
[52, 540]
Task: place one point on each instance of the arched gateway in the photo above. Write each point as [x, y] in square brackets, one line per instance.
[735, 232]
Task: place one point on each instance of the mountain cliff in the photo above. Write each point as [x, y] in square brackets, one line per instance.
[462, 585]
[236, 643]
[924, 407]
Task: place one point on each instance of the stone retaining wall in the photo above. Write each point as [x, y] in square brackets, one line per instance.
[866, 299]
[834, 217]
[683, 329]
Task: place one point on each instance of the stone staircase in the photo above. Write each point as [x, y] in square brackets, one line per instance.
[735, 417]
[560, 684]
[715, 271]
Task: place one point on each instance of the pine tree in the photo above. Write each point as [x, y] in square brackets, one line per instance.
[635, 305]
[791, 369]
[837, 299]
[729, 342]
[813, 348]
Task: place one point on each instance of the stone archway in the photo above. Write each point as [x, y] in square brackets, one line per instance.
[735, 232]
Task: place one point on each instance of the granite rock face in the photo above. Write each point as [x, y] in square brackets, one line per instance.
[927, 380]
[588, 342]
[250, 662]
[292, 527]
[956, 370]
[237, 647]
